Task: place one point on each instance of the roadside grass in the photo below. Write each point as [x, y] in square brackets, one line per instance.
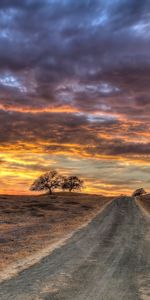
[30, 223]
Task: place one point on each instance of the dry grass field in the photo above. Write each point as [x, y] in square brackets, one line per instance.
[107, 259]
[31, 223]
[145, 202]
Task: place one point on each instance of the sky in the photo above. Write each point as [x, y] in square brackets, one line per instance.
[75, 93]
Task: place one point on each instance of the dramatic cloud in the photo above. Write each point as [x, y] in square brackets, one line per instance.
[74, 84]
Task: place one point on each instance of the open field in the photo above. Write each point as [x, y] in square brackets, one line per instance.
[109, 259]
[31, 223]
[145, 202]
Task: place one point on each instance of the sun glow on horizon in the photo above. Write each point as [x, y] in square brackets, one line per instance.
[74, 93]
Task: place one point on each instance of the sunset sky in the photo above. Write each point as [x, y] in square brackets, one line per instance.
[75, 93]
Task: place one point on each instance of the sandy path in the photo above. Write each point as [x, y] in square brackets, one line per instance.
[107, 260]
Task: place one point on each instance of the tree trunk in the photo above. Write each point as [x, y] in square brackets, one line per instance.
[50, 191]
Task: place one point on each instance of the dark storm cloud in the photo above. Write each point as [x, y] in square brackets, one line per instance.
[119, 148]
[46, 127]
[90, 55]
[60, 132]
[71, 38]
[126, 12]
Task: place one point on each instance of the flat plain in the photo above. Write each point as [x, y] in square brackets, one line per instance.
[32, 224]
[108, 259]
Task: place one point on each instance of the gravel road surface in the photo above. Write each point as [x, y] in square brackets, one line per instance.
[107, 260]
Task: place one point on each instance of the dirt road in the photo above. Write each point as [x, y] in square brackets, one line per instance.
[107, 260]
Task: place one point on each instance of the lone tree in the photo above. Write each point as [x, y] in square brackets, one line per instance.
[72, 183]
[48, 181]
[139, 192]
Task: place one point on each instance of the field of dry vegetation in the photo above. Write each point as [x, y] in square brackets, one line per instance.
[145, 202]
[31, 223]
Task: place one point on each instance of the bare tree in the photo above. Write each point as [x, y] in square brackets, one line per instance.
[48, 181]
[72, 183]
[138, 192]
